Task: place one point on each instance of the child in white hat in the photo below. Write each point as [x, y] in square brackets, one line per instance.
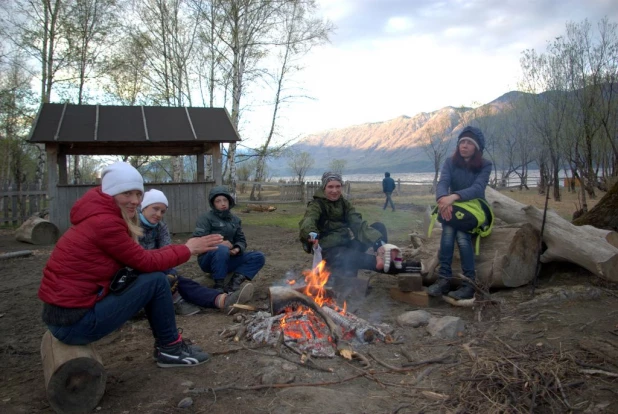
[186, 292]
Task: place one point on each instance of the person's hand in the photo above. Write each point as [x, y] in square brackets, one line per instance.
[445, 206]
[234, 251]
[313, 239]
[227, 244]
[199, 245]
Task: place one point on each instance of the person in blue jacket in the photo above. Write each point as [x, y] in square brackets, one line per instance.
[464, 177]
[388, 186]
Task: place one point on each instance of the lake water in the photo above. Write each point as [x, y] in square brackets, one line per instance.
[417, 178]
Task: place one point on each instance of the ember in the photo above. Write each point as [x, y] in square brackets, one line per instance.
[309, 318]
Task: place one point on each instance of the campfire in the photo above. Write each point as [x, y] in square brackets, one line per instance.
[309, 319]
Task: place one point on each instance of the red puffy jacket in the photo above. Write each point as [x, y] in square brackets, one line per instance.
[93, 249]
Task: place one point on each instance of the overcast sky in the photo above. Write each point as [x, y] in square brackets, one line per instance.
[400, 57]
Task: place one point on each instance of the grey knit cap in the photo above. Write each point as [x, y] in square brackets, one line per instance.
[331, 176]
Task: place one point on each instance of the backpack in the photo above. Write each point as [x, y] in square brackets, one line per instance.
[473, 216]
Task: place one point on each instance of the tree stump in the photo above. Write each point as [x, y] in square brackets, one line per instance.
[36, 230]
[507, 256]
[74, 375]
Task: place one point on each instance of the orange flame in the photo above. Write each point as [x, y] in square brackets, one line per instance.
[315, 281]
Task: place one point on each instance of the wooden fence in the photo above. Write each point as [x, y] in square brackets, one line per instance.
[276, 192]
[16, 205]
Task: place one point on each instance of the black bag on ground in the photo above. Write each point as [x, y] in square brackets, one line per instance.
[122, 280]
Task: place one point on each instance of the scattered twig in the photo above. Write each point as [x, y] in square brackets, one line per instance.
[598, 371]
[437, 360]
[265, 386]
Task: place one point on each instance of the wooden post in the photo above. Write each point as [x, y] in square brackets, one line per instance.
[74, 375]
[52, 182]
[200, 168]
[217, 173]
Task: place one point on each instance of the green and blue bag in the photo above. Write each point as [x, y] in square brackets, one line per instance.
[472, 216]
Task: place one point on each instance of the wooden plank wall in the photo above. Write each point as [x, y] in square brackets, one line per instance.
[17, 206]
[187, 201]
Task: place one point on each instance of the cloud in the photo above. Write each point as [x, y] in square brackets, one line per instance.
[400, 57]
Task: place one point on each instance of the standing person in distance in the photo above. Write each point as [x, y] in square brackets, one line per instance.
[463, 177]
[388, 186]
[78, 308]
[231, 254]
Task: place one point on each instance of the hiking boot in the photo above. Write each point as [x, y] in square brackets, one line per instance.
[180, 354]
[242, 296]
[440, 287]
[184, 308]
[235, 282]
[465, 291]
[219, 285]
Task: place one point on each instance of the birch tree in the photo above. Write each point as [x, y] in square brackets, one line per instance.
[299, 32]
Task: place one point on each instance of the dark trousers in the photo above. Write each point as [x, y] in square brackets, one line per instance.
[345, 261]
[388, 201]
[219, 262]
[193, 292]
[151, 292]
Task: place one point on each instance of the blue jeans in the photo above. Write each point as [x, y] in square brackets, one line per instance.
[151, 291]
[219, 263]
[447, 249]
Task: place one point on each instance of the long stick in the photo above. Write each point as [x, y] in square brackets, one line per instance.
[538, 256]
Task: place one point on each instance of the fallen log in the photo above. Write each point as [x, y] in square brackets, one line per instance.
[74, 375]
[36, 230]
[261, 208]
[507, 257]
[591, 248]
[19, 253]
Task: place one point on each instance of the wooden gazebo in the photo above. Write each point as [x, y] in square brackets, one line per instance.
[67, 129]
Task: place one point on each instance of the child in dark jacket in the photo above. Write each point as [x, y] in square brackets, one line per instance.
[231, 254]
[186, 293]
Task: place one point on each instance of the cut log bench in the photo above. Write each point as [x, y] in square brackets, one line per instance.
[74, 375]
[410, 289]
[38, 231]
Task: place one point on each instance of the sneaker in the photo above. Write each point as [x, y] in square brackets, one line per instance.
[465, 291]
[187, 341]
[184, 308]
[242, 296]
[440, 287]
[180, 355]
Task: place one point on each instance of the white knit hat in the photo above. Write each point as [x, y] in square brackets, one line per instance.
[153, 196]
[120, 177]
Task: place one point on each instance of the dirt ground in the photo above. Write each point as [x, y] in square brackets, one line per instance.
[552, 356]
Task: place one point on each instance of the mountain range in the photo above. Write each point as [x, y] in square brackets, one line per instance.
[396, 145]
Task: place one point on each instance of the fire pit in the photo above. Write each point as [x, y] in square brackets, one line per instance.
[308, 319]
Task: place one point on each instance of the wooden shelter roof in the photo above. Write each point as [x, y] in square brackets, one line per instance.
[95, 127]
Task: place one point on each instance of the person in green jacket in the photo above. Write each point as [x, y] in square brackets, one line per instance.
[231, 255]
[344, 237]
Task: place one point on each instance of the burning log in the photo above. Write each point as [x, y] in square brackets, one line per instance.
[363, 332]
[283, 297]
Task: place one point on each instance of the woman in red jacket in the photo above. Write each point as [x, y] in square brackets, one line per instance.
[78, 307]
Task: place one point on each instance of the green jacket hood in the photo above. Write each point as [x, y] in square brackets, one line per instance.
[220, 190]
